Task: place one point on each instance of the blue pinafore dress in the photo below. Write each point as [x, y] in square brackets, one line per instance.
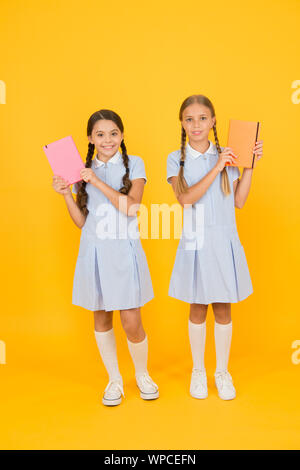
[111, 271]
[210, 264]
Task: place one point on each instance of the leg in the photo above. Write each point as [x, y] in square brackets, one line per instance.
[138, 347]
[136, 338]
[198, 313]
[222, 312]
[103, 320]
[132, 323]
[223, 334]
[197, 336]
[106, 342]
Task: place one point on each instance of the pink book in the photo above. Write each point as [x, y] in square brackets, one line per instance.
[65, 159]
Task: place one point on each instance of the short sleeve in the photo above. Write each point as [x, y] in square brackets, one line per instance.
[74, 188]
[172, 165]
[234, 172]
[138, 169]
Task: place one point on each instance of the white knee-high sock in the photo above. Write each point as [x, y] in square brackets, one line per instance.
[107, 347]
[223, 334]
[197, 335]
[139, 354]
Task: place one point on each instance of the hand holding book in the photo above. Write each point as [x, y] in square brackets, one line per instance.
[226, 157]
[258, 149]
[60, 185]
[243, 141]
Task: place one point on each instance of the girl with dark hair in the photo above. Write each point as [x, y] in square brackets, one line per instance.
[111, 271]
[210, 264]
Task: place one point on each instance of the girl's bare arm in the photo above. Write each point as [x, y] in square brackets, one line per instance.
[62, 187]
[242, 186]
[128, 204]
[74, 211]
[195, 192]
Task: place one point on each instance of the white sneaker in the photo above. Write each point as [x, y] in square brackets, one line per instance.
[223, 381]
[113, 393]
[198, 387]
[148, 388]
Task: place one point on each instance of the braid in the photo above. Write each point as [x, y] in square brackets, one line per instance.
[82, 196]
[182, 186]
[125, 180]
[183, 141]
[224, 175]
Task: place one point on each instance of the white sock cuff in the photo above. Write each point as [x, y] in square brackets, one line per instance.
[197, 325]
[145, 340]
[223, 326]
[103, 333]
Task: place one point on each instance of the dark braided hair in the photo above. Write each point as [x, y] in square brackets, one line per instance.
[82, 196]
[125, 180]
[182, 186]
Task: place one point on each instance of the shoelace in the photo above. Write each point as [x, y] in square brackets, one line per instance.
[115, 384]
[225, 376]
[147, 379]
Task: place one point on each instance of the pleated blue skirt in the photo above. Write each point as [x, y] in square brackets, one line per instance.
[215, 272]
[111, 274]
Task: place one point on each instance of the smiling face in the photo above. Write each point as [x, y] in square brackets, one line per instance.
[197, 122]
[107, 138]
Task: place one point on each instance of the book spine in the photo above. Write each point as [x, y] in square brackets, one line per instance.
[257, 128]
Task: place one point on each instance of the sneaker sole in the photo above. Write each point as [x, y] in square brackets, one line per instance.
[202, 397]
[230, 398]
[224, 398]
[115, 402]
[149, 396]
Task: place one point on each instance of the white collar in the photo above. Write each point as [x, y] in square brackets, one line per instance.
[195, 153]
[116, 158]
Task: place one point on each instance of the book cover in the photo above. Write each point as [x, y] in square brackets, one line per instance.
[242, 136]
[65, 159]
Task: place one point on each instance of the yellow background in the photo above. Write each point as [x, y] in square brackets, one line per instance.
[61, 61]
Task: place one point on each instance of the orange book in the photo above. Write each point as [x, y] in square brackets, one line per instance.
[242, 136]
